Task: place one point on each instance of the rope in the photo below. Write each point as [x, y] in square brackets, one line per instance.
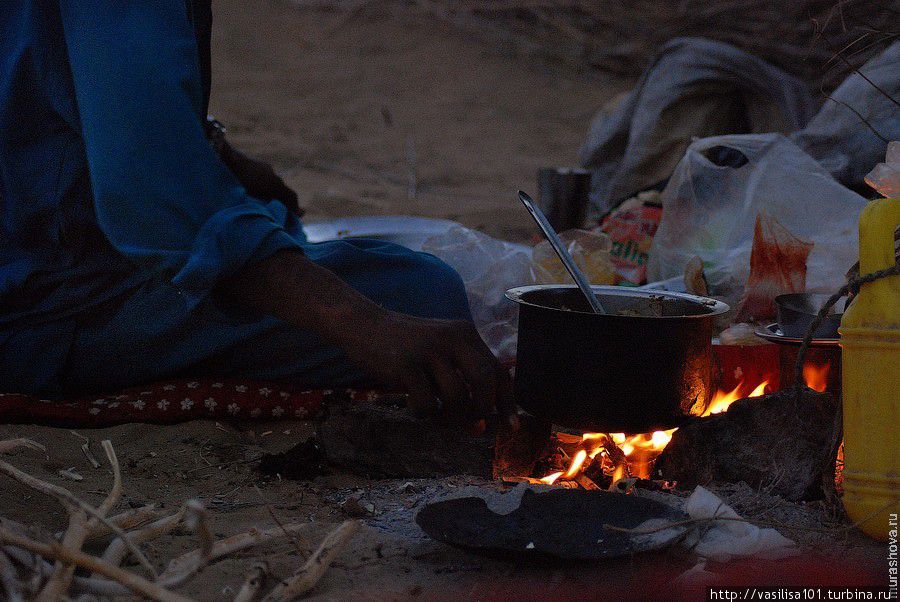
[852, 286]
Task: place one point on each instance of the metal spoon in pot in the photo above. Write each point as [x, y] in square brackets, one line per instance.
[563, 254]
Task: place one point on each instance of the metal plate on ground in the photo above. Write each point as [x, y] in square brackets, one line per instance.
[568, 524]
[406, 230]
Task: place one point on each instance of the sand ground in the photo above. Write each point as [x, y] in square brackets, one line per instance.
[352, 109]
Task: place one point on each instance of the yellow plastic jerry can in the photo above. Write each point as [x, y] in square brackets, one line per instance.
[870, 338]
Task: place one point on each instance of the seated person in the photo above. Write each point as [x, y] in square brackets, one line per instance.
[130, 251]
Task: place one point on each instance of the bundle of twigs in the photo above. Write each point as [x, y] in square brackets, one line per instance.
[821, 41]
[42, 567]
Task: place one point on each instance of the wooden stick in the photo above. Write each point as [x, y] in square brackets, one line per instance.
[61, 575]
[181, 569]
[11, 444]
[315, 567]
[195, 519]
[187, 565]
[70, 500]
[116, 492]
[128, 520]
[253, 583]
[117, 551]
[79, 528]
[53, 550]
[9, 579]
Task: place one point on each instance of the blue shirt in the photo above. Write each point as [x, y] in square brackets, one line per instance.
[106, 177]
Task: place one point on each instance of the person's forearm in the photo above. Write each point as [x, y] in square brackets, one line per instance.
[429, 358]
[296, 290]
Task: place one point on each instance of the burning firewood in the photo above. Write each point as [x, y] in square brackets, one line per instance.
[771, 442]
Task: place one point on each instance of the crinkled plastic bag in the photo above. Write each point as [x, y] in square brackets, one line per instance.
[885, 178]
[777, 267]
[720, 186]
[488, 267]
[590, 250]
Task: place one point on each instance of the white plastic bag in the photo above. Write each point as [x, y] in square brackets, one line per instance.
[488, 267]
[712, 201]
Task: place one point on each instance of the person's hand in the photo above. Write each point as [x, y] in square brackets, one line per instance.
[259, 179]
[443, 364]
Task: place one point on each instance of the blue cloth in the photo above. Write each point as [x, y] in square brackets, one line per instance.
[118, 219]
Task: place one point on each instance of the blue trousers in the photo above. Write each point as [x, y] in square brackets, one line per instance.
[146, 336]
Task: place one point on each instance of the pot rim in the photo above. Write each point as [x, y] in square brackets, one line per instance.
[714, 306]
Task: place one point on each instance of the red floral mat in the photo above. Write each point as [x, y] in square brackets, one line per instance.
[178, 401]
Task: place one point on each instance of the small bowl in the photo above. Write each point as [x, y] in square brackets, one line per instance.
[796, 311]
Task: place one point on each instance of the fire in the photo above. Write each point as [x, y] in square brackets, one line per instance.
[551, 478]
[576, 465]
[721, 400]
[618, 455]
[623, 455]
[637, 451]
[816, 377]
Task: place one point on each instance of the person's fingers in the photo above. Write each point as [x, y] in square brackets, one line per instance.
[421, 396]
[481, 377]
[503, 400]
[506, 403]
[450, 386]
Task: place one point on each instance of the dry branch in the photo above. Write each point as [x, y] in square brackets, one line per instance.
[79, 529]
[187, 565]
[253, 583]
[195, 519]
[315, 567]
[9, 580]
[117, 551]
[11, 444]
[128, 520]
[55, 551]
[70, 501]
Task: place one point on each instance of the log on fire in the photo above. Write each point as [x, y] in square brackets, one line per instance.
[773, 442]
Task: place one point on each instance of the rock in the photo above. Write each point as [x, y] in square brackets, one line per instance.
[387, 441]
[517, 452]
[356, 507]
[770, 442]
[303, 462]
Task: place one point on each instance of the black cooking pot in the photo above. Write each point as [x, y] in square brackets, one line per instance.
[796, 311]
[642, 367]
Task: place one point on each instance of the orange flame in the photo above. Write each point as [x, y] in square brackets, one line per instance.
[577, 463]
[641, 450]
[551, 478]
[816, 377]
[722, 400]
